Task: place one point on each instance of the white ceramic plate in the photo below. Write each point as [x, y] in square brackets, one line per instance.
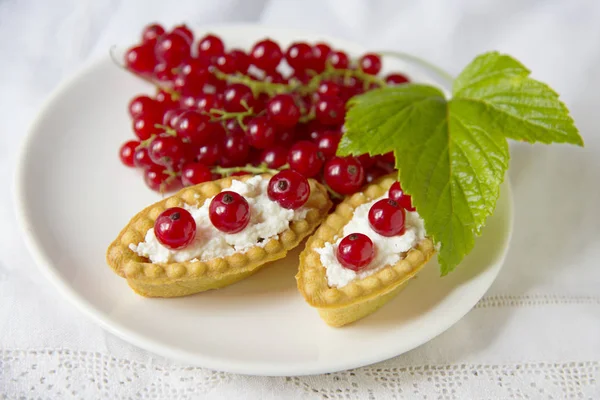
[73, 197]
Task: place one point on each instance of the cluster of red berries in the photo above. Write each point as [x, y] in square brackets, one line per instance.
[229, 211]
[386, 217]
[221, 108]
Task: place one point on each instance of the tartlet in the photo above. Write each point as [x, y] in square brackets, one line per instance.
[189, 277]
[361, 297]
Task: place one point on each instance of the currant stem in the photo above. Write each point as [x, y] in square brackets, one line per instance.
[307, 116]
[172, 175]
[346, 74]
[220, 115]
[253, 169]
[146, 143]
[168, 130]
[297, 86]
[256, 86]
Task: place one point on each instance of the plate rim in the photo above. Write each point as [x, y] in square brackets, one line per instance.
[46, 267]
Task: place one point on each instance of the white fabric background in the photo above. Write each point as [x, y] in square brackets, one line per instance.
[536, 334]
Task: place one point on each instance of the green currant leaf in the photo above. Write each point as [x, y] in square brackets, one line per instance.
[522, 108]
[452, 154]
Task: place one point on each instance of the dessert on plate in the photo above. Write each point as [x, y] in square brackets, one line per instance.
[308, 112]
[216, 233]
[363, 254]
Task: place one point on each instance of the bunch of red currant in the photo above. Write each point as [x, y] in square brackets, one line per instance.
[222, 111]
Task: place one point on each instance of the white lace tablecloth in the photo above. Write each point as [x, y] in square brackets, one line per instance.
[536, 334]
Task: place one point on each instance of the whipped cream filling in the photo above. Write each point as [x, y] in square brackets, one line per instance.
[388, 250]
[267, 220]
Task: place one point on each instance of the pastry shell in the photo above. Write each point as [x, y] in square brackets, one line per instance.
[185, 278]
[361, 297]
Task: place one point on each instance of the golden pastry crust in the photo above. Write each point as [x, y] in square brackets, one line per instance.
[361, 297]
[184, 278]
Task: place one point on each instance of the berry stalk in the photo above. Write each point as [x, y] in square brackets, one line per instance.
[252, 169]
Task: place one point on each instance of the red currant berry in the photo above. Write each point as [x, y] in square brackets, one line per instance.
[141, 158]
[195, 173]
[289, 189]
[355, 251]
[254, 156]
[260, 103]
[313, 130]
[197, 68]
[330, 110]
[226, 63]
[209, 154]
[165, 99]
[235, 151]
[218, 131]
[158, 180]
[229, 212]
[366, 160]
[171, 116]
[396, 79]
[388, 157]
[233, 127]
[387, 167]
[284, 112]
[127, 151]
[353, 86]
[168, 151]
[299, 56]
[386, 217]
[397, 194]
[285, 138]
[320, 55]
[163, 72]
[260, 132]
[241, 60]
[237, 97]
[188, 85]
[338, 59]
[184, 31]
[143, 125]
[215, 85]
[172, 48]
[370, 64]
[328, 143]
[304, 157]
[143, 105]
[329, 88]
[345, 175]
[301, 76]
[194, 127]
[188, 102]
[266, 55]
[274, 157]
[175, 228]
[209, 101]
[373, 173]
[151, 33]
[140, 59]
[211, 46]
[274, 77]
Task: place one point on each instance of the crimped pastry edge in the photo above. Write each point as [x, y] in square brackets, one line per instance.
[191, 277]
[312, 279]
